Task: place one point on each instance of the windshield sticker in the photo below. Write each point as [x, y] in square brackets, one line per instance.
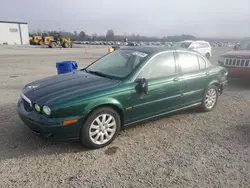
[141, 54]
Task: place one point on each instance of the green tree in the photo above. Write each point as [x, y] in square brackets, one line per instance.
[82, 35]
[110, 35]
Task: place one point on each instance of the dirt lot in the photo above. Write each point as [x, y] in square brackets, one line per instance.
[188, 149]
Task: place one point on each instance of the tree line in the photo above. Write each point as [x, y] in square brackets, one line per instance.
[110, 36]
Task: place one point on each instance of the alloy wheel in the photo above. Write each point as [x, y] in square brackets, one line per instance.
[102, 129]
[211, 98]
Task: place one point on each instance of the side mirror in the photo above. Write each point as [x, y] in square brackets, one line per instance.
[142, 86]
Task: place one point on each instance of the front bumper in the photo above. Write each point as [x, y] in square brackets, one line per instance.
[49, 128]
[238, 72]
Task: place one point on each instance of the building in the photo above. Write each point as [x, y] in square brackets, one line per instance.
[16, 33]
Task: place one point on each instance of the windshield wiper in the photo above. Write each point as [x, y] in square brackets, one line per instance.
[98, 73]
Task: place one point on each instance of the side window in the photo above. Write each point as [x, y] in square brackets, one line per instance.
[204, 45]
[200, 45]
[160, 66]
[188, 62]
[202, 62]
[194, 45]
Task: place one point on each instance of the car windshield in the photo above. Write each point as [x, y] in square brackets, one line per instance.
[117, 64]
[182, 44]
[244, 46]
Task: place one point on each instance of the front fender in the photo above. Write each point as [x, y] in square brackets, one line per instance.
[100, 102]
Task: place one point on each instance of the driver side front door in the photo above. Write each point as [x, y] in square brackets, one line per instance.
[165, 89]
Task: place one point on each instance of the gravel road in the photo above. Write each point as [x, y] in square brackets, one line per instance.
[187, 149]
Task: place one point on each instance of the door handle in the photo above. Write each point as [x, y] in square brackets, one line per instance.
[176, 79]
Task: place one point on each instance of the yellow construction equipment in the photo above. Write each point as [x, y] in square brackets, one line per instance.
[51, 40]
[54, 39]
[35, 40]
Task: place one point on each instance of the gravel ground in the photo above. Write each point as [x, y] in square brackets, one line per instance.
[187, 149]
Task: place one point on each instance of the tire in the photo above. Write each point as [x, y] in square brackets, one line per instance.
[52, 45]
[66, 45]
[40, 42]
[208, 55]
[210, 98]
[99, 130]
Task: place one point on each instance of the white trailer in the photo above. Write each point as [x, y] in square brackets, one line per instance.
[14, 33]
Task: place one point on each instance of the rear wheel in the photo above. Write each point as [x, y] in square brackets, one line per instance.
[210, 98]
[100, 128]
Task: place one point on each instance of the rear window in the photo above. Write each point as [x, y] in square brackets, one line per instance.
[203, 45]
[182, 44]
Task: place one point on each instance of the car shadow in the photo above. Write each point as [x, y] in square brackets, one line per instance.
[31, 145]
[238, 84]
[189, 111]
[17, 141]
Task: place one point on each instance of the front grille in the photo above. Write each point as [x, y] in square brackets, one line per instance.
[26, 103]
[27, 106]
[233, 62]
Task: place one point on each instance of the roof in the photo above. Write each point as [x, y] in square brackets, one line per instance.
[13, 22]
[188, 41]
[193, 41]
[202, 41]
[152, 49]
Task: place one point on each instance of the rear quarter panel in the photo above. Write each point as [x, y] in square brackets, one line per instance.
[217, 75]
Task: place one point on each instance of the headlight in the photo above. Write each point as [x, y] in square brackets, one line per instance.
[38, 108]
[46, 110]
[221, 60]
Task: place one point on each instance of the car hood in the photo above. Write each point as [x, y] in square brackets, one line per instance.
[66, 86]
[244, 54]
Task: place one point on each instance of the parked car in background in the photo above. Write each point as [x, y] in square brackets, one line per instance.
[237, 61]
[127, 86]
[200, 46]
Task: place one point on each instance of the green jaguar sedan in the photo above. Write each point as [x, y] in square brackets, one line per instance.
[126, 86]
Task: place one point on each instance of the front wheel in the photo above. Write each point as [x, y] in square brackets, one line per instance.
[66, 45]
[100, 128]
[53, 45]
[210, 98]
